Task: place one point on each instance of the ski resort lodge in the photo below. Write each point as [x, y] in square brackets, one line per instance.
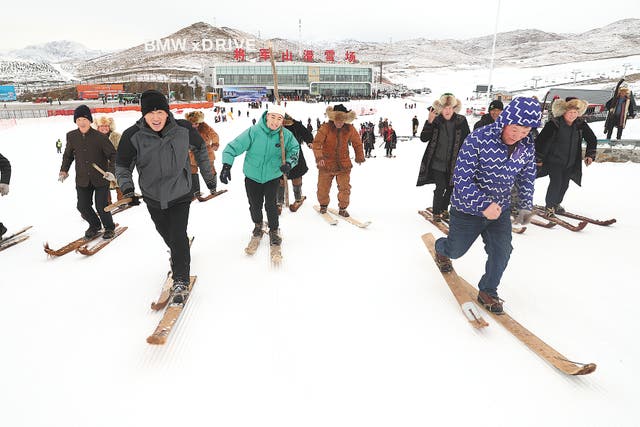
[245, 81]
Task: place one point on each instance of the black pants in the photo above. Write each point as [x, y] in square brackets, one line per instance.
[442, 193]
[195, 183]
[618, 133]
[171, 223]
[558, 184]
[85, 206]
[259, 194]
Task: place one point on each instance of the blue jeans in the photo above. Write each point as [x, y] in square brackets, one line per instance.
[464, 229]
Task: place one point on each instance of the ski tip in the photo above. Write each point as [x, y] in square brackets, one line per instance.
[156, 340]
[585, 369]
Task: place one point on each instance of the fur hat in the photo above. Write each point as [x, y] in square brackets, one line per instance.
[559, 107]
[105, 121]
[276, 109]
[195, 117]
[521, 111]
[447, 100]
[340, 113]
[152, 100]
[496, 105]
[82, 111]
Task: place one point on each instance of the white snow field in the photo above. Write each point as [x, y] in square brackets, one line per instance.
[356, 328]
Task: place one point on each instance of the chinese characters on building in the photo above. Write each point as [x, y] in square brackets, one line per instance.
[288, 56]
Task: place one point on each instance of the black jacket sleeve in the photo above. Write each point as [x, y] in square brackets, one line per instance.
[5, 170]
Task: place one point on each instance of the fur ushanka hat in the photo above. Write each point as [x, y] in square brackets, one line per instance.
[196, 117]
[105, 121]
[340, 113]
[447, 100]
[560, 107]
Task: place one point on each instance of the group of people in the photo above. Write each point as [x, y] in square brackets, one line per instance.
[484, 177]
[474, 172]
[168, 153]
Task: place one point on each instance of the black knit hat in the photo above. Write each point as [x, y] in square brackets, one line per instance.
[496, 105]
[152, 100]
[82, 111]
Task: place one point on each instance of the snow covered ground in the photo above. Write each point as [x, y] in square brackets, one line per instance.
[356, 328]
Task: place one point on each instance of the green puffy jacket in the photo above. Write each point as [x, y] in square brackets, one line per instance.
[263, 156]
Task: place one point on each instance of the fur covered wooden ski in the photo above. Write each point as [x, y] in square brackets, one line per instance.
[326, 216]
[349, 219]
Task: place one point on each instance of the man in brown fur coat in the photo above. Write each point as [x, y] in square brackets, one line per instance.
[331, 150]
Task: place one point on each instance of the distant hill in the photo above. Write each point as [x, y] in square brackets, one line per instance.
[520, 48]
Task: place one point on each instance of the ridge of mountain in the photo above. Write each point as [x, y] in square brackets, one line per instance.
[518, 48]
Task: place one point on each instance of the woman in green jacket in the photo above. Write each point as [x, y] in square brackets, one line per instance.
[263, 166]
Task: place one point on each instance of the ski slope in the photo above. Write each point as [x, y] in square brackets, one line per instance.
[356, 328]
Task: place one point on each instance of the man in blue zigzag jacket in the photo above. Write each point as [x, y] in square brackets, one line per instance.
[491, 161]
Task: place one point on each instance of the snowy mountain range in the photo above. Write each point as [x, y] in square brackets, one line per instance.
[65, 61]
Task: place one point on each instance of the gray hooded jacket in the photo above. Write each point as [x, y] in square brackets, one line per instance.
[162, 159]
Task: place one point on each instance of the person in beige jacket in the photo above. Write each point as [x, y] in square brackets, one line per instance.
[105, 125]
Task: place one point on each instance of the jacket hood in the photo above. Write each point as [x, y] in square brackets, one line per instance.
[521, 111]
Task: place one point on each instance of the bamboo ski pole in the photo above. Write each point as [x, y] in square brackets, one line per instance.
[277, 101]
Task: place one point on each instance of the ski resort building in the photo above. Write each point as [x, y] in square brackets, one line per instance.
[242, 81]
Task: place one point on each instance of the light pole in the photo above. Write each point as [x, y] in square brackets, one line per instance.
[493, 51]
[575, 73]
[535, 81]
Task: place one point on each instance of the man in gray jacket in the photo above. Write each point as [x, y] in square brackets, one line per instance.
[158, 145]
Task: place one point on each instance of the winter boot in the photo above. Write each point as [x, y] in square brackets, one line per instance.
[3, 230]
[550, 211]
[559, 209]
[443, 263]
[257, 230]
[109, 234]
[91, 232]
[297, 192]
[323, 209]
[179, 291]
[437, 217]
[274, 237]
[445, 215]
[491, 303]
[343, 212]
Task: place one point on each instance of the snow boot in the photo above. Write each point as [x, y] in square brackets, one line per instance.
[559, 209]
[343, 212]
[297, 192]
[179, 291]
[91, 232]
[443, 263]
[274, 237]
[109, 234]
[491, 303]
[257, 230]
[550, 211]
[323, 209]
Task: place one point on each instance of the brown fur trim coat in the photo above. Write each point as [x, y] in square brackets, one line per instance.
[332, 145]
[212, 140]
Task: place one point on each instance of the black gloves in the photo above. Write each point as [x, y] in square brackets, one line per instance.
[285, 168]
[225, 173]
[129, 194]
[211, 185]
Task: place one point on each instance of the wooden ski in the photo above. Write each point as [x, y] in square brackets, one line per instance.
[326, 216]
[535, 344]
[349, 219]
[169, 319]
[467, 304]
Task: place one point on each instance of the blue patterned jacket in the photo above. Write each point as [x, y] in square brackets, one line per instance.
[484, 172]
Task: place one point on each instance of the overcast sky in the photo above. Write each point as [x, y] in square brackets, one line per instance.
[121, 24]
